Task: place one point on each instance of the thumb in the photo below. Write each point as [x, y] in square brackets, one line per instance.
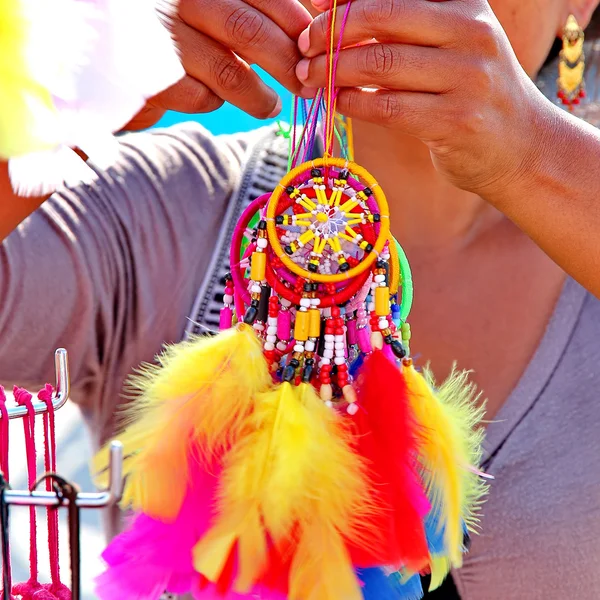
[323, 5]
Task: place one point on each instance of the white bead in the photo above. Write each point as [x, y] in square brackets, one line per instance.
[339, 338]
[272, 338]
[285, 303]
[259, 326]
[371, 306]
[352, 409]
[325, 361]
[329, 345]
[379, 278]
[340, 346]
[269, 346]
[262, 242]
[227, 299]
[255, 289]
[305, 302]
[303, 308]
[272, 321]
[339, 360]
[327, 312]
[329, 337]
[282, 346]
[383, 324]
[329, 404]
[315, 301]
[310, 346]
[271, 329]
[327, 353]
[298, 348]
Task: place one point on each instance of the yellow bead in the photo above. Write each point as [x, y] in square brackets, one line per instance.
[259, 266]
[382, 301]
[314, 325]
[301, 326]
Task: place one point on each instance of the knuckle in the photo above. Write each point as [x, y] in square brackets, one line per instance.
[484, 36]
[246, 27]
[376, 12]
[320, 28]
[389, 109]
[201, 99]
[230, 75]
[381, 60]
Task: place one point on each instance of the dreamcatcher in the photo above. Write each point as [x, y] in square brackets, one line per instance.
[299, 453]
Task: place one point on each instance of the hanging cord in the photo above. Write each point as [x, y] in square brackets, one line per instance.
[5, 542]
[24, 398]
[56, 587]
[67, 491]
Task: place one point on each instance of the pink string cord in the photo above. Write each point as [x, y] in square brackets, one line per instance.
[4, 445]
[60, 591]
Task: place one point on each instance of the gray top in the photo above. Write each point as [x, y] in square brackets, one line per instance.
[111, 270]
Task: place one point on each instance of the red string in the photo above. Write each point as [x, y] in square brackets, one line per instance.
[4, 436]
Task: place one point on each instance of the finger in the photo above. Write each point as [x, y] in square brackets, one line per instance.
[188, 96]
[409, 112]
[249, 32]
[224, 73]
[411, 22]
[289, 15]
[392, 66]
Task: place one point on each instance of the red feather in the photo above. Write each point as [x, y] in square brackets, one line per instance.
[388, 439]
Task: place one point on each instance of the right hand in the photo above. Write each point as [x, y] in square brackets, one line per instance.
[218, 40]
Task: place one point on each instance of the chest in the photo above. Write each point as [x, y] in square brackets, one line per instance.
[485, 309]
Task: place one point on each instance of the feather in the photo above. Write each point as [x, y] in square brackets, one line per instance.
[389, 438]
[377, 585]
[452, 438]
[198, 396]
[295, 472]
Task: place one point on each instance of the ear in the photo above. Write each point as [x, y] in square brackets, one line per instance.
[582, 10]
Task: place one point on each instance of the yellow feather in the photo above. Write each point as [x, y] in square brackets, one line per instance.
[451, 443]
[194, 402]
[440, 567]
[321, 568]
[294, 468]
[27, 112]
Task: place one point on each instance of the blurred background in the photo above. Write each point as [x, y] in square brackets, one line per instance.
[73, 450]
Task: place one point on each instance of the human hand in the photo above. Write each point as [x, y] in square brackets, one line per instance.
[445, 73]
[218, 41]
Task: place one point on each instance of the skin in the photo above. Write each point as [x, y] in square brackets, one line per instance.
[491, 187]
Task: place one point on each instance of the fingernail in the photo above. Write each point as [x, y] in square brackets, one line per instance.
[276, 110]
[302, 69]
[304, 41]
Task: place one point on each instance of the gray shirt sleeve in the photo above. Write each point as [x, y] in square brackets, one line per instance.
[109, 270]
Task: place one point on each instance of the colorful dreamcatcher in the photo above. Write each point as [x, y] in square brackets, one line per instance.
[299, 453]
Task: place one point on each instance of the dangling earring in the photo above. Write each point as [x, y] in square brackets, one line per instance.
[571, 86]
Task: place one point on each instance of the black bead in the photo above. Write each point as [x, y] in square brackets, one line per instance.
[279, 219]
[315, 173]
[369, 248]
[289, 189]
[262, 225]
[307, 286]
[289, 373]
[388, 339]
[398, 349]
[376, 217]
[381, 264]
[313, 268]
[263, 306]
[254, 303]
[368, 192]
[344, 174]
[344, 267]
[310, 362]
[228, 277]
[307, 373]
[250, 316]
[288, 250]
[315, 287]
[279, 373]
[295, 363]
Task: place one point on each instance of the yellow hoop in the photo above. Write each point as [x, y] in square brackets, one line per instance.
[384, 213]
[394, 267]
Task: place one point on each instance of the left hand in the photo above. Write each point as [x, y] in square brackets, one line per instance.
[445, 73]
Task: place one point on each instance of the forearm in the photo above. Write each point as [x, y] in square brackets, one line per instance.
[13, 209]
[555, 199]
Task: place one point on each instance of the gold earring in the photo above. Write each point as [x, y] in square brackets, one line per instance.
[571, 86]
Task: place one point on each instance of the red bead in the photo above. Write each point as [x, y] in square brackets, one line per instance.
[582, 94]
[326, 369]
[342, 368]
[325, 380]
[575, 101]
[335, 311]
[339, 331]
[560, 94]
